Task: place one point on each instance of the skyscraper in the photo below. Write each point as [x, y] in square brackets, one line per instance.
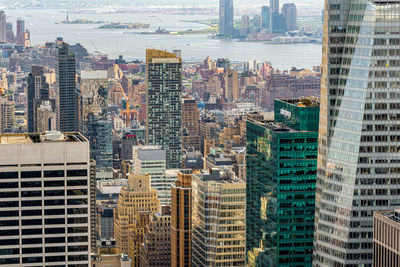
[20, 32]
[358, 160]
[181, 220]
[164, 104]
[3, 27]
[46, 200]
[7, 114]
[226, 18]
[281, 166]
[274, 6]
[290, 13]
[68, 94]
[218, 219]
[265, 16]
[38, 91]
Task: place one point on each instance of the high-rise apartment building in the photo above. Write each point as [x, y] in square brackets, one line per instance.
[226, 18]
[218, 219]
[190, 116]
[386, 238]
[7, 114]
[45, 118]
[281, 165]
[265, 16]
[156, 247]
[46, 200]
[181, 220]
[164, 104]
[358, 160]
[3, 27]
[38, 91]
[290, 13]
[231, 85]
[152, 160]
[68, 94]
[138, 197]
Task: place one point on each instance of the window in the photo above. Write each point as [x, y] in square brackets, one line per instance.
[31, 184]
[31, 193]
[77, 182]
[53, 183]
[80, 201]
[57, 173]
[74, 173]
[31, 203]
[54, 202]
[31, 212]
[8, 175]
[31, 174]
[9, 213]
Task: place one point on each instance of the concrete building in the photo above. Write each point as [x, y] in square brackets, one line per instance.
[138, 197]
[152, 160]
[46, 199]
[108, 256]
[38, 91]
[20, 32]
[181, 220]
[386, 238]
[45, 118]
[156, 246]
[164, 104]
[231, 87]
[357, 158]
[218, 219]
[7, 114]
[290, 13]
[226, 18]
[190, 125]
[69, 110]
[3, 27]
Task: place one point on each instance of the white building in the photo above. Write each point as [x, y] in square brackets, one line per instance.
[46, 200]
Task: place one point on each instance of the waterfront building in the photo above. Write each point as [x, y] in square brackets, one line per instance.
[226, 18]
[156, 247]
[245, 25]
[281, 165]
[290, 13]
[218, 219]
[46, 200]
[278, 23]
[38, 91]
[358, 160]
[68, 95]
[135, 199]
[3, 27]
[274, 6]
[7, 114]
[265, 16]
[386, 238]
[181, 220]
[164, 104]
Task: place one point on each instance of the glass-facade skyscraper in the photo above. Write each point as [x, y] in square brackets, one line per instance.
[358, 160]
[281, 164]
[164, 104]
[226, 17]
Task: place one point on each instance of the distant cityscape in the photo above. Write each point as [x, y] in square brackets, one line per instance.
[114, 162]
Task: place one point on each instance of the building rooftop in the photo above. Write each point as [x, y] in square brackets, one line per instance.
[310, 101]
[46, 137]
[273, 126]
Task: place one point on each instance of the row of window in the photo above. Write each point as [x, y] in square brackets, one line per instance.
[38, 174]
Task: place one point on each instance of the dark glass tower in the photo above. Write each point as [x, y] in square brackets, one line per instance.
[38, 91]
[68, 94]
[226, 18]
[164, 104]
[281, 173]
[358, 160]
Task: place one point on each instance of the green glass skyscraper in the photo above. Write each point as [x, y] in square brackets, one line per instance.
[164, 104]
[281, 174]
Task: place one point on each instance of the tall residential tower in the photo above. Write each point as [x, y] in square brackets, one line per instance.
[164, 104]
[358, 159]
[226, 18]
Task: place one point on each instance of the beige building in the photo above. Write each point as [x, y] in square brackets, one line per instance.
[156, 245]
[387, 238]
[181, 220]
[137, 198]
[7, 114]
[46, 118]
[231, 85]
[218, 219]
[108, 256]
[47, 200]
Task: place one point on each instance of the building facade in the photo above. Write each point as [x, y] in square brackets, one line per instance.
[181, 220]
[7, 114]
[164, 104]
[265, 16]
[358, 156]
[46, 200]
[281, 165]
[218, 219]
[69, 110]
[226, 18]
[386, 238]
[3, 27]
[289, 11]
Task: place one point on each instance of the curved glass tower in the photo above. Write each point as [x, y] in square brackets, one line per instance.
[359, 132]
